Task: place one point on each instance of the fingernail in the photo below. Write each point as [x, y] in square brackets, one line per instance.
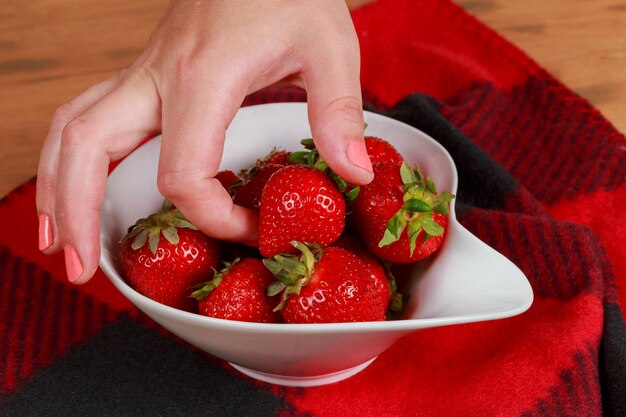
[357, 154]
[45, 232]
[73, 266]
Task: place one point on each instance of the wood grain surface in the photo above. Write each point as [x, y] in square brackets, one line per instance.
[51, 50]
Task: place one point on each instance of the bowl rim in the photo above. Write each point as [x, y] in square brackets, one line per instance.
[146, 304]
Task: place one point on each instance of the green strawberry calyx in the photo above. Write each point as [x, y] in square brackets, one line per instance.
[204, 289]
[292, 272]
[268, 157]
[165, 222]
[421, 201]
[313, 159]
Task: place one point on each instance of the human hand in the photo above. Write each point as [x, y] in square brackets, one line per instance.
[201, 61]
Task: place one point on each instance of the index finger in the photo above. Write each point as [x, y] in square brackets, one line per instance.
[197, 109]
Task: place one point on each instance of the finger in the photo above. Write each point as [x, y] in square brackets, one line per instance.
[196, 112]
[108, 130]
[49, 160]
[336, 111]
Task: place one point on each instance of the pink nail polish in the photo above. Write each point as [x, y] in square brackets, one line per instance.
[45, 232]
[73, 265]
[357, 154]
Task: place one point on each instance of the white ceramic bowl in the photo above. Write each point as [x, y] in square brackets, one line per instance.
[466, 281]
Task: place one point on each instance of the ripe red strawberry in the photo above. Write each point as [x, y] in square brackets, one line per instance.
[276, 156]
[399, 215]
[249, 191]
[355, 246]
[379, 150]
[238, 292]
[163, 256]
[332, 285]
[299, 203]
[312, 159]
[377, 270]
[227, 178]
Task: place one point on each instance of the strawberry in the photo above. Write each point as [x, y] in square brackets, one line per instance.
[377, 270]
[355, 246]
[399, 215]
[248, 192]
[276, 156]
[379, 150]
[313, 159]
[227, 178]
[332, 285]
[238, 292]
[163, 256]
[299, 203]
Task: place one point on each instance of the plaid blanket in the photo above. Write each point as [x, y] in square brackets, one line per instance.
[542, 180]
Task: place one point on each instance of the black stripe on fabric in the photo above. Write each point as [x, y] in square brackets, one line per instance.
[527, 157]
[43, 280]
[543, 410]
[486, 119]
[553, 108]
[511, 134]
[618, 172]
[612, 358]
[543, 239]
[560, 256]
[595, 167]
[587, 372]
[569, 169]
[555, 168]
[480, 92]
[71, 317]
[27, 283]
[545, 175]
[571, 393]
[535, 93]
[588, 254]
[559, 408]
[578, 171]
[506, 148]
[129, 370]
[56, 304]
[482, 182]
[11, 274]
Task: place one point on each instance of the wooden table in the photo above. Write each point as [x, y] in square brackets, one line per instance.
[52, 50]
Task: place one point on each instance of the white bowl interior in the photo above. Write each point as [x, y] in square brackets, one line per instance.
[451, 288]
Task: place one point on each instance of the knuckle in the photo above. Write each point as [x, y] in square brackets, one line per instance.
[46, 186]
[77, 132]
[348, 108]
[63, 114]
[188, 65]
[171, 185]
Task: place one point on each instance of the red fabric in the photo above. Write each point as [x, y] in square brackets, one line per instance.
[559, 221]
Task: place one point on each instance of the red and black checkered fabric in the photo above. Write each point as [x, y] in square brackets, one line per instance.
[542, 180]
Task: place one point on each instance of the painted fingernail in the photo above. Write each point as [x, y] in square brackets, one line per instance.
[357, 154]
[73, 265]
[45, 232]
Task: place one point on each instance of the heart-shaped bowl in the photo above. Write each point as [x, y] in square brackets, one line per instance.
[466, 281]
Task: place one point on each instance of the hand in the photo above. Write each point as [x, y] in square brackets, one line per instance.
[200, 63]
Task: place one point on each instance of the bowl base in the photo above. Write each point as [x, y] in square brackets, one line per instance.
[303, 381]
